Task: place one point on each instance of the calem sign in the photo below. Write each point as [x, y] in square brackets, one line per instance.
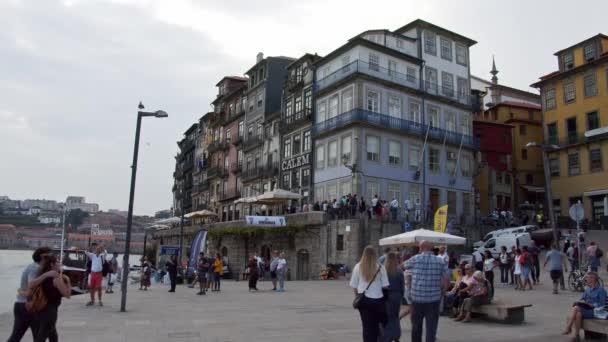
[295, 162]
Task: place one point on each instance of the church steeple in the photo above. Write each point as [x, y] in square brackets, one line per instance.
[494, 72]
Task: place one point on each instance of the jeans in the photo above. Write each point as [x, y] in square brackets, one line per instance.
[23, 321]
[504, 273]
[173, 278]
[45, 322]
[428, 312]
[216, 281]
[373, 313]
[281, 278]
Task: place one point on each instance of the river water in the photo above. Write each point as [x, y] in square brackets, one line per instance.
[12, 264]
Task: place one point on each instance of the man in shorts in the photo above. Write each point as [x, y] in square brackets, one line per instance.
[557, 265]
[203, 272]
[97, 259]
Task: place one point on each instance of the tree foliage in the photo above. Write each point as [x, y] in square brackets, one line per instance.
[75, 217]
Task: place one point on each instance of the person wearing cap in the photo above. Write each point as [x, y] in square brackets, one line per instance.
[478, 291]
[593, 297]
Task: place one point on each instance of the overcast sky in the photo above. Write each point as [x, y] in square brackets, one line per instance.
[73, 72]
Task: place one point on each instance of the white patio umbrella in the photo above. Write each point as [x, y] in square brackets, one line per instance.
[246, 200]
[200, 214]
[415, 236]
[277, 196]
[169, 220]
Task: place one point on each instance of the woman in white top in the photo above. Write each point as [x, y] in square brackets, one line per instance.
[517, 271]
[504, 266]
[488, 269]
[372, 309]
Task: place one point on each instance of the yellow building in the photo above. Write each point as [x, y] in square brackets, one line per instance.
[510, 174]
[575, 106]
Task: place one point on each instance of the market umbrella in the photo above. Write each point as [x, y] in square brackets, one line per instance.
[277, 196]
[169, 220]
[246, 200]
[415, 236]
[200, 214]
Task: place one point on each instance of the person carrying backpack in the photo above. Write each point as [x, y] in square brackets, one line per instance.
[526, 261]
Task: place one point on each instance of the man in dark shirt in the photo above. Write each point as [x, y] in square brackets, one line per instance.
[203, 270]
[172, 270]
[535, 271]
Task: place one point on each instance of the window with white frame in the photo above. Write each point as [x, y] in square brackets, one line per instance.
[451, 162]
[306, 141]
[589, 51]
[374, 62]
[392, 68]
[241, 128]
[465, 165]
[433, 119]
[431, 79]
[590, 86]
[287, 147]
[411, 74]
[308, 100]
[298, 105]
[569, 91]
[549, 99]
[286, 181]
[346, 148]
[463, 88]
[568, 59]
[333, 106]
[574, 166]
[447, 84]
[595, 159]
[372, 189]
[373, 101]
[415, 193]
[288, 110]
[332, 153]
[320, 157]
[461, 54]
[414, 112]
[446, 48]
[394, 191]
[394, 106]
[430, 43]
[465, 124]
[394, 152]
[414, 157]
[373, 148]
[450, 121]
[346, 63]
[260, 99]
[321, 111]
[332, 192]
[347, 100]
[434, 165]
[297, 143]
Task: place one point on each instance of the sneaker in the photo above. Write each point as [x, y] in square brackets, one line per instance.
[200, 293]
[90, 303]
[100, 303]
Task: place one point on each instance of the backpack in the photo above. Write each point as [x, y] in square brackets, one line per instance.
[36, 300]
[528, 260]
[105, 267]
[599, 253]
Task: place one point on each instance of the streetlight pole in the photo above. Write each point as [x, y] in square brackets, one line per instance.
[547, 171]
[125, 261]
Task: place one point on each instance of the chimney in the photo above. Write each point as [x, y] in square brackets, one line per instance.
[259, 57]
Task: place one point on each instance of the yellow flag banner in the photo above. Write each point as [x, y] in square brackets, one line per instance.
[441, 219]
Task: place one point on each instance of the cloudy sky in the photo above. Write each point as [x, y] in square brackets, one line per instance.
[72, 73]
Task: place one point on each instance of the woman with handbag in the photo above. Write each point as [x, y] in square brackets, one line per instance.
[45, 299]
[368, 280]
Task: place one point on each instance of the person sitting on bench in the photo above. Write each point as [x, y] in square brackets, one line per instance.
[478, 295]
[458, 293]
[594, 297]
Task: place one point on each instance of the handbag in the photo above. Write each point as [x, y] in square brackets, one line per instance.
[359, 296]
[36, 300]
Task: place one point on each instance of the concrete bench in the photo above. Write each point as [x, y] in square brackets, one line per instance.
[502, 312]
[595, 329]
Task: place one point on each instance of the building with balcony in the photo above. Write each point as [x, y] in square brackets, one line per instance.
[200, 192]
[295, 128]
[524, 173]
[261, 145]
[184, 168]
[575, 109]
[395, 107]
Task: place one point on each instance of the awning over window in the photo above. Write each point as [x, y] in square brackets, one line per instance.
[531, 188]
[595, 192]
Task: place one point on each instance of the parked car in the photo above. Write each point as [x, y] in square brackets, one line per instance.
[508, 240]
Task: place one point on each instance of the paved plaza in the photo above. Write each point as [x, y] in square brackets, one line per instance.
[307, 311]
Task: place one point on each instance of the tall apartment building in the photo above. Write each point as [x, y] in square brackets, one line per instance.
[184, 166]
[79, 202]
[295, 127]
[200, 186]
[261, 145]
[396, 107]
[575, 108]
[509, 173]
[226, 155]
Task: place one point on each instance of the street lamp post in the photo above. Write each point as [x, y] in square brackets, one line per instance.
[547, 170]
[125, 262]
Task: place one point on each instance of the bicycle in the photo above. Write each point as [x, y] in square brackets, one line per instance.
[576, 279]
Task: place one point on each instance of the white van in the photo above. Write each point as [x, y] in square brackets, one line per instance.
[508, 240]
[496, 233]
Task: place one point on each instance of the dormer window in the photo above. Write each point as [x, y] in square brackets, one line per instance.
[589, 52]
[568, 61]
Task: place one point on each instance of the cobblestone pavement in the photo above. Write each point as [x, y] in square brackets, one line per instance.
[307, 311]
